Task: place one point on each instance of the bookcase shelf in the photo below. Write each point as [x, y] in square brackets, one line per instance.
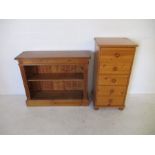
[55, 78]
[57, 94]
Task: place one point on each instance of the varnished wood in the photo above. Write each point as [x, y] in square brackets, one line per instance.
[57, 94]
[114, 59]
[114, 69]
[115, 42]
[108, 79]
[47, 61]
[111, 90]
[83, 102]
[110, 100]
[117, 56]
[53, 54]
[55, 77]
[25, 82]
[56, 85]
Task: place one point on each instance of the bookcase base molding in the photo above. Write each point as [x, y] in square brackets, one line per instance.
[57, 102]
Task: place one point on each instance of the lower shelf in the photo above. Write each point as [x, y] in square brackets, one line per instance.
[69, 102]
[59, 94]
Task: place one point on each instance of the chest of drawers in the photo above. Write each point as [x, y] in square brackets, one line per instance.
[113, 63]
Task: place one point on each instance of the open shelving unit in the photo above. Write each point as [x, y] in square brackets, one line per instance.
[61, 82]
[46, 83]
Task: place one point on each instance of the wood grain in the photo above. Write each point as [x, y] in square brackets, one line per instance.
[55, 77]
[114, 59]
[53, 54]
[115, 42]
[111, 90]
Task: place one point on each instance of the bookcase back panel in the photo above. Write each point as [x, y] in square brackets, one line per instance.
[56, 68]
[56, 85]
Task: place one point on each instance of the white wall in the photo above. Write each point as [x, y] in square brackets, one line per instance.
[20, 35]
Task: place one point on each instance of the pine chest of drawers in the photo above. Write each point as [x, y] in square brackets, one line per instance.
[113, 63]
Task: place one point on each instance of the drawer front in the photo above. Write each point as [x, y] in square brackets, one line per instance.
[112, 80]
[114, 69]
[109, 101]
[111, 91]
[119, 56]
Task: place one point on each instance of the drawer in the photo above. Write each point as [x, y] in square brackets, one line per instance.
[111, 90]
[112, 79]
[121, 56]
[114, 69]
[109, 101]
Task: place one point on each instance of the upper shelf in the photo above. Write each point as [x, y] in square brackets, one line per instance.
[56, 76]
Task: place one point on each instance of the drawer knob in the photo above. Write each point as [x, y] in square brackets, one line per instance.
[111, 91]
[117, 55]
[114, 68]
[110, 101]
[113, 80]
[122, 93]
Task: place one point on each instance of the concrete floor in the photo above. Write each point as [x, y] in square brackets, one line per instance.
[137, 118]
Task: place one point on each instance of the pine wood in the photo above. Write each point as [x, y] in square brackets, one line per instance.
[108, 79]
[113, 64]
[55, 77]
[115, 42]
[111, 90]
[114, 69]
[110, 101]
[53, 54]
[58, 102]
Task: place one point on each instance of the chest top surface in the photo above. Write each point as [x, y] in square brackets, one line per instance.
[53, 54]
[115, 42]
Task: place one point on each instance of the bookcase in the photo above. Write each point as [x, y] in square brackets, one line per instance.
[55, 77]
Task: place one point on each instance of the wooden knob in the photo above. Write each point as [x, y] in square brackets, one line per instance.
[113, 80]
[117, 55]
[110, 101]
[114, 68]
[122, 93]
[111, 91]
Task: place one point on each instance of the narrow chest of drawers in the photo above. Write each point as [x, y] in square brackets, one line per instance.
[113, 63]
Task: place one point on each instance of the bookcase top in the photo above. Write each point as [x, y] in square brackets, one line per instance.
[53, 54]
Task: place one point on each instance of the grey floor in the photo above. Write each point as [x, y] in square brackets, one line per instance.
[137, 118]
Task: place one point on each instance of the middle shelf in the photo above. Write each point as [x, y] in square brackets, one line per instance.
[55, 76]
